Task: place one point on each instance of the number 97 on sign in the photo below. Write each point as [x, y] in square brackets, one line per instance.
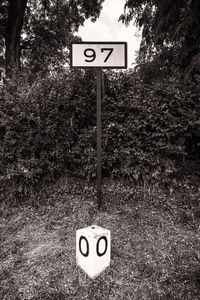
[98, 54]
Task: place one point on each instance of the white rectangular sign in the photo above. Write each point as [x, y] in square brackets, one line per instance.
[99, 55]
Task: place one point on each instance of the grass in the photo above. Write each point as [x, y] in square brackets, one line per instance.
[155, 244]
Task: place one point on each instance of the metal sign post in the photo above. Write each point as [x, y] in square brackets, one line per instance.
[99, 173]
[107, 55]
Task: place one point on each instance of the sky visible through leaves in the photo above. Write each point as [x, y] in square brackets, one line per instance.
[107, 28]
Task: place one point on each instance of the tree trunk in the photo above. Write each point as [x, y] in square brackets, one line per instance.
[16, 13]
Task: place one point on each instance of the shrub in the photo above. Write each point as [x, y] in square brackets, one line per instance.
[149, 130]
[35, 132]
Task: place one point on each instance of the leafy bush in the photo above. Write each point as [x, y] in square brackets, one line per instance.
[35, 132]
[150, 129]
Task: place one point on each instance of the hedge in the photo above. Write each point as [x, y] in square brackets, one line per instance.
[149, 130]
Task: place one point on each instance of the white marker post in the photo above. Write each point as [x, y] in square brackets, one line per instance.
[93, 250]
[99, 55]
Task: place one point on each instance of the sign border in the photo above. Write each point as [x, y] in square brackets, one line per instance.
[104, 43]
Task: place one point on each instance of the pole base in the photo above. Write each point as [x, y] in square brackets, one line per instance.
[99, 198]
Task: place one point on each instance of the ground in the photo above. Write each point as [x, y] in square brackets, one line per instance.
[155, 244]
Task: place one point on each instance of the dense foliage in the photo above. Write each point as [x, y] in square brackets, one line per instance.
[38, 32]
[167, 26]
[150, 129]
[34, 133]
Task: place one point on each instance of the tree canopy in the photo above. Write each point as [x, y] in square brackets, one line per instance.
[40, 30]
[166, 24]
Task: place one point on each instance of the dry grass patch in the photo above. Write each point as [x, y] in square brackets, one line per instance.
[154, 255]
